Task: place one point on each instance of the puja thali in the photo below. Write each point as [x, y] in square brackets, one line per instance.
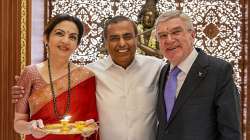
[77, 127]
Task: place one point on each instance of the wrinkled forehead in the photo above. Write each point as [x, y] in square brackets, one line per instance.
[170, 24]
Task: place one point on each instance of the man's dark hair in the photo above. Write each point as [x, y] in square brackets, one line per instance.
[115, 20]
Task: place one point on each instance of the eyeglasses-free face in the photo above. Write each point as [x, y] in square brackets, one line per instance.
[121, 42]
[63, 39]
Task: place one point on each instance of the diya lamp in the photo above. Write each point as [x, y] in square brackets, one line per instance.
[65, 122]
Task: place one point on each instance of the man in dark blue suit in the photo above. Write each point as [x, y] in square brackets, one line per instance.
[204, 104]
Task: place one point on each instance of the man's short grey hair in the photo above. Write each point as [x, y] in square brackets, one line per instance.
[175, 14]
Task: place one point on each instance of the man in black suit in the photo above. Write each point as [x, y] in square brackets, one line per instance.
[206, 101]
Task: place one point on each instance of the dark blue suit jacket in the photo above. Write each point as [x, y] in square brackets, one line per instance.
[207, 107]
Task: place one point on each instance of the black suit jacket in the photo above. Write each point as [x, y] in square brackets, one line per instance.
[207, 107]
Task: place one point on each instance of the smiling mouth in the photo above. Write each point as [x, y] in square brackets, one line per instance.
[122, 50]
[171, 49]
[63, 48]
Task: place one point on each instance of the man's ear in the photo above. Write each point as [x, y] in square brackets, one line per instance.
[45, 40]
[105, 44]
[193, 34]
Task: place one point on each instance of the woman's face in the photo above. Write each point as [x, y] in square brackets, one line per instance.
[63, 39]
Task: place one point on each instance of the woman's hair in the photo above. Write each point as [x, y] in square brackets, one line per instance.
[60, 18]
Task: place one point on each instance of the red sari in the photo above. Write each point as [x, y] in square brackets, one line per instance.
[82, 102]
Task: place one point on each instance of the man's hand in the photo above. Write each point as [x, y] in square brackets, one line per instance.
[16, 91]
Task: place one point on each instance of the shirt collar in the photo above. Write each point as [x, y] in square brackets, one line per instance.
[110, 63]
[188, 62]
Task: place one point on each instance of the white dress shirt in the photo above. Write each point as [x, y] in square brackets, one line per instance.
[185, 66]
[126, 98]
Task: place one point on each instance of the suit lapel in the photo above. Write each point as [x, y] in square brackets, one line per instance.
[163, 79]
[194, 77]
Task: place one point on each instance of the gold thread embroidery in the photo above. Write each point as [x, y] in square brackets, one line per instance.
[23, 33]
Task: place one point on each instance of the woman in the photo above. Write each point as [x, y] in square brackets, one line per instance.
[72, 92]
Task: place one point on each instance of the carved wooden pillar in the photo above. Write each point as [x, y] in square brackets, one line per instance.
[247, 68]
[244, 73]
[14, 47]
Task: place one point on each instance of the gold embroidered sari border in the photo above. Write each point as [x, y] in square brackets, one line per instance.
[41, 97]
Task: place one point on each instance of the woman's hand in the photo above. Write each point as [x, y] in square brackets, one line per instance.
[91, 129]
[35, 129]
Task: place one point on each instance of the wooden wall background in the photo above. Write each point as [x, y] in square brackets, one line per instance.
[10, 29]
[11, 13]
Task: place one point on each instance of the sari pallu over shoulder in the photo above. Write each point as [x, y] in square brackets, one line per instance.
[43, 96]
[82, 102]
